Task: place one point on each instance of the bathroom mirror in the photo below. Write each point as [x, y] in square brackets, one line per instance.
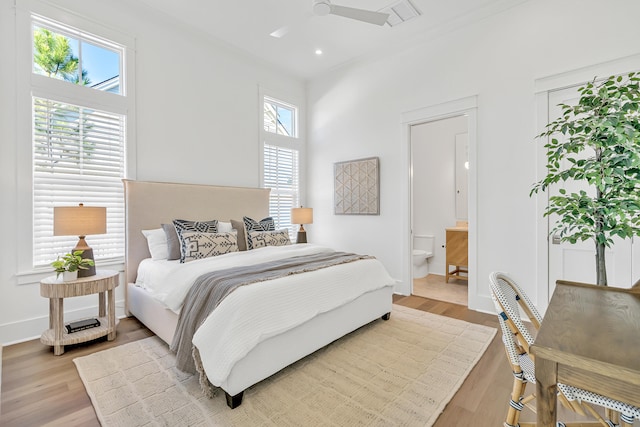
[462, 176]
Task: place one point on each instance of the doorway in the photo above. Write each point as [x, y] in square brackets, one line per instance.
[439, 204]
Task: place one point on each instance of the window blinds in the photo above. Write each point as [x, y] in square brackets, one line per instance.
[281, 175]
[78, 157]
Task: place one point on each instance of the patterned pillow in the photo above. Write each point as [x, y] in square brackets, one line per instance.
[261, 239]
[182, 225]
[265, 224]
[198, 245]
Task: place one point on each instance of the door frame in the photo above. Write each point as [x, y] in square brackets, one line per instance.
[543, 86]
[464, 106]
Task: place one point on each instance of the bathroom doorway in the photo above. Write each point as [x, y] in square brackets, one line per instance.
[439, 207]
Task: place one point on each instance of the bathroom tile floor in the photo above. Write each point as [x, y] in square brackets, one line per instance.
[433, 286]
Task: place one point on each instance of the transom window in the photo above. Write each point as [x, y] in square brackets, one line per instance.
[67, 54]
[279, 118]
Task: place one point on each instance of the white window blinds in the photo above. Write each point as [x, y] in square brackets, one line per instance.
[281, 174]
[78, 157]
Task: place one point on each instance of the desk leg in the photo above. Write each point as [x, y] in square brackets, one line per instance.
[546, 390]
[57, 316]
[101, 312]
[111, 305]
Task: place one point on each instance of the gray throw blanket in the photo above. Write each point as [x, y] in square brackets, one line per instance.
[211, 288]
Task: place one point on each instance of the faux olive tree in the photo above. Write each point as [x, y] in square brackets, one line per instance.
[599, 147]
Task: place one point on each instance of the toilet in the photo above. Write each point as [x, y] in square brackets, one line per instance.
[422, 252]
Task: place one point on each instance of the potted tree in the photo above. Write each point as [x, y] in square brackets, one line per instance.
[601, 148]
[69, 265]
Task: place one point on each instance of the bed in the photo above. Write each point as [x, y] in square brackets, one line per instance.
[149, 204]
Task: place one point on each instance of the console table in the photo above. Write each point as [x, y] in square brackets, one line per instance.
[104, 282]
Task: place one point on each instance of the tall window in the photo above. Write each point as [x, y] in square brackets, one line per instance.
[281, 160]
[78, 134]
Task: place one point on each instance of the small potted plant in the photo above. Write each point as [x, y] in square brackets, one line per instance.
[69, 265]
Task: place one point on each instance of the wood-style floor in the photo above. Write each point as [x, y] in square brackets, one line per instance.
[39, 388]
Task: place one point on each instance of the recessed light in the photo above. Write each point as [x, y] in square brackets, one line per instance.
[318, 52]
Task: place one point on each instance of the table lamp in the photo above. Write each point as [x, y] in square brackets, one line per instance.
[302, 216]
[80, 221]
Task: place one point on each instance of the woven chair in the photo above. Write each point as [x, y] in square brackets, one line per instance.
[508, 299]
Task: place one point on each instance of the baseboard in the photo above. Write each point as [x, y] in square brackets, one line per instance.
[29, 329]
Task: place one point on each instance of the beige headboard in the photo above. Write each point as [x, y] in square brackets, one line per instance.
[150, 204]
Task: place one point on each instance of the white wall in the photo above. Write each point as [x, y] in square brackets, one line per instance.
[356, 112]
[197, 121]
[433, 146]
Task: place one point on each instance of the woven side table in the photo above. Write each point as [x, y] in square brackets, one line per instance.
[104, 282]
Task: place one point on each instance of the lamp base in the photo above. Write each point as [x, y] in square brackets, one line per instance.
[87, 253]
[302, 237]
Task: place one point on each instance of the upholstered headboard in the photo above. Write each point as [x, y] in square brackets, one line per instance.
[150, 204]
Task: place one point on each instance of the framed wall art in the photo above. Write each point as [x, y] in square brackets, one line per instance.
[357, 187]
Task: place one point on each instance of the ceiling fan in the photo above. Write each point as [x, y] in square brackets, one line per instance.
[325, 7]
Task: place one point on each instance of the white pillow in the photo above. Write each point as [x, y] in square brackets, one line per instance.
[224, 227]
[157, 242]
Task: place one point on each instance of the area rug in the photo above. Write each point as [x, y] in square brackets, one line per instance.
[397, 372]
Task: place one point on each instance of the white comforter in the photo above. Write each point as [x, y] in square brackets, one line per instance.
[254, 313]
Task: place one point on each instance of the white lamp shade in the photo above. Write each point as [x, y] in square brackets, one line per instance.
[302, 216]
[79, 220]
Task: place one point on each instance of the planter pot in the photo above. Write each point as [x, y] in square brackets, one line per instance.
[69, 276]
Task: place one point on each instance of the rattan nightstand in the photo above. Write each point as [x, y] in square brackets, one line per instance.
[104, 282]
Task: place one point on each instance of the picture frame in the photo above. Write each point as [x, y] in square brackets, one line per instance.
[357, 187]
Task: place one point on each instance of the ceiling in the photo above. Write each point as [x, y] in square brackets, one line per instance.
[247, 24]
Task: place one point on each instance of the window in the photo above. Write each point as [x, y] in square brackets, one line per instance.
[279, 118]
[65, 54]
[79, 120]
[281, 150]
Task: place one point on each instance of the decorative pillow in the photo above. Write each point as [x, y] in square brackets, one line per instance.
[201, 226]
[224, 227]
[261, 239]
[173, 243]
[242, 236]
[198, 245]
[265, 224]
[157, 242]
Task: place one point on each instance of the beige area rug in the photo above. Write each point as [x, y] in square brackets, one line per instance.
[397, 372]
[433, 286]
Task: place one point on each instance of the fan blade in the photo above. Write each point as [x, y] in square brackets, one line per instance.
[371, 17]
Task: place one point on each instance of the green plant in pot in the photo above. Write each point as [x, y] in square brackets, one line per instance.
[71, 262]
[600, 148]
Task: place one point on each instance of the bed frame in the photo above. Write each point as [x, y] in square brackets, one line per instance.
[149, 204]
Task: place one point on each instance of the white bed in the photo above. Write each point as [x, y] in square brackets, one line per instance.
[149, 204]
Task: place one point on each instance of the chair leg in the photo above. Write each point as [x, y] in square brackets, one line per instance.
[613, 416]
[596, 415]
[626, 421]
[515, 405]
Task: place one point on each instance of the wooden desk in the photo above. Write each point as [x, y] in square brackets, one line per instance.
[589, 338]
[457, 245]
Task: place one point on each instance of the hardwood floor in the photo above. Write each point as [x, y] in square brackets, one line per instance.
[39, 388]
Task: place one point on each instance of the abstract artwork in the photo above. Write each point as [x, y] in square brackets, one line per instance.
[356, 187]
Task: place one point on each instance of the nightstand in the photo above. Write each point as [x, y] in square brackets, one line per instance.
[105, 281]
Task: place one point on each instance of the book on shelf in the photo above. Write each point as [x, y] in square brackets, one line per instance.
[81, 325]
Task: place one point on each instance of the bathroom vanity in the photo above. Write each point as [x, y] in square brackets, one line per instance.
[457, 256]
